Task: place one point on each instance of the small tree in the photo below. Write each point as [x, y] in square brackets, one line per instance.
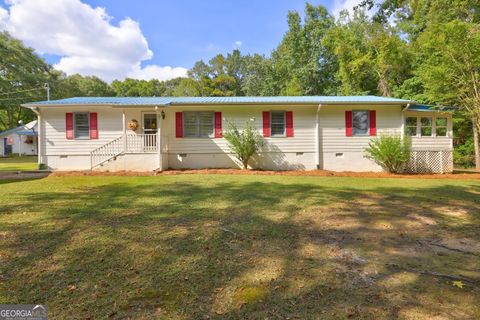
[243, 143]
[391, 152]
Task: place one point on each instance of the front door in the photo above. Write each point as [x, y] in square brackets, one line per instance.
[150, 130]
[149, 123]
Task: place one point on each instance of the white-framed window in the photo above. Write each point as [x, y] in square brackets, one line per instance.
[411, 126]
[360, 122]
[426, 126]
[278, 123]
[81, 125]
[198, 124]
[441, 127]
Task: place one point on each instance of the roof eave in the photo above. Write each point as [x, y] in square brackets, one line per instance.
[300, 103]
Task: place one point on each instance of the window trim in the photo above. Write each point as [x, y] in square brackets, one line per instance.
[198, 136]
[406, 127]
[433, 126]
[445, 126]
[75, 125]
[368, 124]
[284, 135]
[143, 121]
[430, 126]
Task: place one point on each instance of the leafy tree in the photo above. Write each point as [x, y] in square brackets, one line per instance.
[243, 143]
[80, 86]
[259, 77]
[138, 88]
[303, 55]
[22, 78]
[372, 58]
[452, 75]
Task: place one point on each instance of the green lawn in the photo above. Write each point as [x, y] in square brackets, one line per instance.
[236, 247]
[18, 163]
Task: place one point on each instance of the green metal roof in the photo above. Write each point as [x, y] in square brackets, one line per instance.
[430, 108]
[168, 101]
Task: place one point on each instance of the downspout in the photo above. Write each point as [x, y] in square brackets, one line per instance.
[317, 140]
[402, 127]
[40, 136]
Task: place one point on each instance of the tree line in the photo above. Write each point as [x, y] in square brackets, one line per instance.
[424, 50]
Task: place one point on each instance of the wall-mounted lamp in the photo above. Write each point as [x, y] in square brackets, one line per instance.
[163, 114]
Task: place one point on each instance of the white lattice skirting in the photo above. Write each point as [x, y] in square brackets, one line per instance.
[430, 162]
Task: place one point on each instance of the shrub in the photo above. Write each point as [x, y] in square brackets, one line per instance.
[243, 143]
[391, 152]
[42, 166]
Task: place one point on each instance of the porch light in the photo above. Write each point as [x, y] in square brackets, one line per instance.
[163, 114]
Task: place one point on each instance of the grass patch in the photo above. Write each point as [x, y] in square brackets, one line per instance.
[237, 246]
[18, 163]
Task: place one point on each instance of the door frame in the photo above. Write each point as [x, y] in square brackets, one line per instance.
[143, 121]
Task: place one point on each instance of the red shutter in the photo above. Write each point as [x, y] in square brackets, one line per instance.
[373, 123]
[266, 124]
[218, 124]
[93, 125]
[348, 123]
[69, 126]
[179, 124]
[289, 123]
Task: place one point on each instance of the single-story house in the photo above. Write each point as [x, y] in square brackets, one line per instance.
[305, 132]
[21, 140]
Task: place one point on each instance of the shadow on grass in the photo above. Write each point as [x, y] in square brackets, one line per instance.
[243, 250]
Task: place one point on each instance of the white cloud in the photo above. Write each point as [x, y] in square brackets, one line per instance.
[340, 5]
[85, 39]
[3, 18]
[157, 72]
[238, 44]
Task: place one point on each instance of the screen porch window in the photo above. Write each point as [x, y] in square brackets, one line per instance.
[360, 123]
[278, 124]
[426, 126]
[441, 127]
[411, 126]
[81, 125]
[198, 124]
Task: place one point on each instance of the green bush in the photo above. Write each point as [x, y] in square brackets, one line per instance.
[42, 166]
[391, 152]
[243, 143]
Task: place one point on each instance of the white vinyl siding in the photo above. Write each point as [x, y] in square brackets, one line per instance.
[278, 151]
[53, 125]
[303, 141]
[332, 127]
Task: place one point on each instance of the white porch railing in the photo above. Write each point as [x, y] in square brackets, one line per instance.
[130, 143]
[141, 143]
[106, 152]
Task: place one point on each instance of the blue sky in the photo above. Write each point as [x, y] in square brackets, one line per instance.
[114, 39]
[182, 32]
